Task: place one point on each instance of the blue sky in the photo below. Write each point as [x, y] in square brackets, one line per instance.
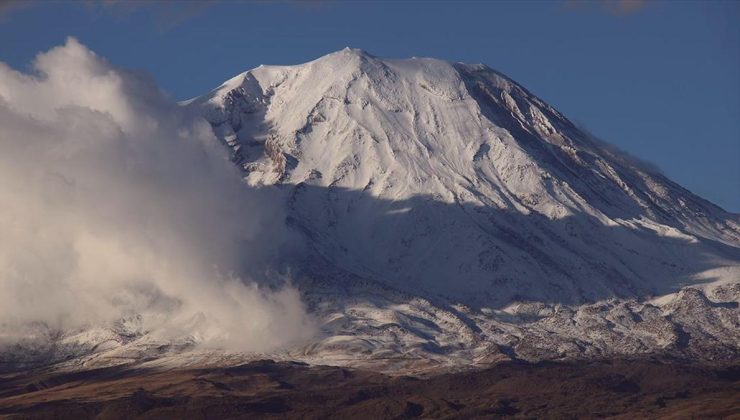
[660, 80]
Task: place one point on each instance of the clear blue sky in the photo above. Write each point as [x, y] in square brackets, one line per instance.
[660, 80]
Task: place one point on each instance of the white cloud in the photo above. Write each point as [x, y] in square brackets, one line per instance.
[114, 203]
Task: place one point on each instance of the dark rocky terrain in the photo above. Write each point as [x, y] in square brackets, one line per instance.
[266, 389]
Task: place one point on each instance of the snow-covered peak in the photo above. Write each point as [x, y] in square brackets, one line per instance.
[349, 51]
[452, 179]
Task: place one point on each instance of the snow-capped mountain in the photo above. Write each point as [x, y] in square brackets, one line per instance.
[452, 184]
[451, 179]
[450, 218]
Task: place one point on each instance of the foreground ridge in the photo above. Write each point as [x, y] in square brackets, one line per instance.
[288, 390]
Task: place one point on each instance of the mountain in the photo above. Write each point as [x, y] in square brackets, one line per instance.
[452, 185]
[448, 218]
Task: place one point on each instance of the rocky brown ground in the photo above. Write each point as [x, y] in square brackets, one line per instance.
[266, 389]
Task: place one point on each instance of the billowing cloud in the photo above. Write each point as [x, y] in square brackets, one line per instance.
[117, 204]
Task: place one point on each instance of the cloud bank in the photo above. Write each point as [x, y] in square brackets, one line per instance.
[116, 204]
